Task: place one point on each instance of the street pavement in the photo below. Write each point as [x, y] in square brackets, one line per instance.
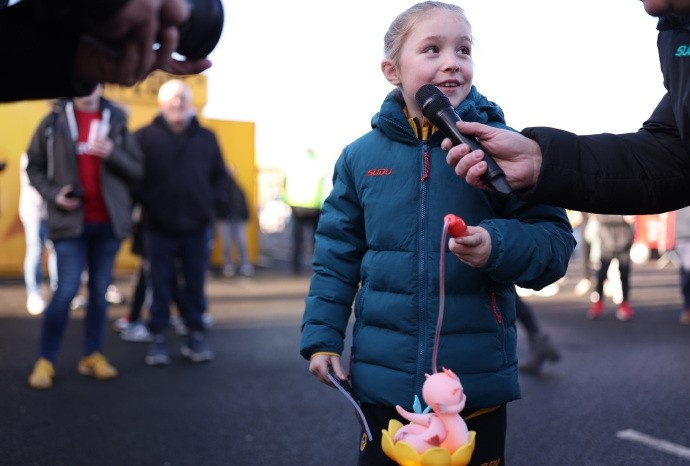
[619, 395]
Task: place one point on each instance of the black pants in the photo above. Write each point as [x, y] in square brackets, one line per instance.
[303, 219]
[526, 317]
[623, 258]
[489, 443]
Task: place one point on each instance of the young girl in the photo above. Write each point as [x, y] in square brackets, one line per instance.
[378, 241]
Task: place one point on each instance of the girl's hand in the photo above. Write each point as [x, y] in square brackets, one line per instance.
[473, 248]
[319, 365]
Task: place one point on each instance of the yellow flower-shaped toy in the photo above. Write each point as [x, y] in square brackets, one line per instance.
[440, 438]
[405, 455]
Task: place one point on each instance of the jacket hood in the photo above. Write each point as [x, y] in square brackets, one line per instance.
[475, 107]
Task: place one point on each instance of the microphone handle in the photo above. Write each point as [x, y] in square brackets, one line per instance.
[494, 175]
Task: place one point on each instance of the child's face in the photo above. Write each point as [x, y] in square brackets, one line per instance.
[437, 52]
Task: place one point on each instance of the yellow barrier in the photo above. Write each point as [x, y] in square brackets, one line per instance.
[18, 122]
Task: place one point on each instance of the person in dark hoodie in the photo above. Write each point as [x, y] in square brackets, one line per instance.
[185, 182]
[644, 172]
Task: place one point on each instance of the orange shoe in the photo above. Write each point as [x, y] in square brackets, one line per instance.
[596, 311]
[624, 312]
[41, 377]
[97, 366]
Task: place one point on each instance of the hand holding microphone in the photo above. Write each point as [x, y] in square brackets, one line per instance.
[437, 109]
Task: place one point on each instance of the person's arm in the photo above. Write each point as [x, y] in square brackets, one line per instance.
[636, 173]
[642, 172]
[126, 159]
[531, 244]
[338, 253]
[118, 45]
[63, 48]
[38, 53]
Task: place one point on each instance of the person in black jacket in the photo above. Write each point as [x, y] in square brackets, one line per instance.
[231, 224]
[184, 181]
[637, 173]
[85, 42]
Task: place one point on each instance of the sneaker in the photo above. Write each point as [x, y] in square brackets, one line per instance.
[247, 270]
[113, 295]
[121, 324]
[196, 348]
[35, 303]
[624, 312]
[158, 352]
[684, 318]
[136, 331]
[79, 302]
[207, 320]
[97, 366]
[229, 271]
[41, 377]
[596, 311]
[179, 326]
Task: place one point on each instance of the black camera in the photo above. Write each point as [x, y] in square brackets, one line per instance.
[201, 33]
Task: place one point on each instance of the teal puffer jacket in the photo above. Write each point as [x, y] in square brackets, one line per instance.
[378, 246]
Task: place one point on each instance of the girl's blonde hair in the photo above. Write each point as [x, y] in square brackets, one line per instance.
[402, 25]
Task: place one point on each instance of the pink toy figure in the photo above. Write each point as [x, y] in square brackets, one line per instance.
[444, 427]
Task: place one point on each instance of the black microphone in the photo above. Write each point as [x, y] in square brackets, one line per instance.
[437, 109]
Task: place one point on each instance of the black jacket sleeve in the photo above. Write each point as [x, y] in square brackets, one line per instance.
[636, 173]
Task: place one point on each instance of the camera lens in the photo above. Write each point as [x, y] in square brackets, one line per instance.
[201, 33]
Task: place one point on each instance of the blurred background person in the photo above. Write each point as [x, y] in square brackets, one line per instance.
[304, 193]
[33, 214]
[82, 159]
[583, 251]
[616, 234]
[184, 183]
[232, 223]
[682, 249]
[540, 346]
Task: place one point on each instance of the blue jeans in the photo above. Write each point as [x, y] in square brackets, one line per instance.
[35, 238]
[94, 250]
[177, 260]
[232, 232]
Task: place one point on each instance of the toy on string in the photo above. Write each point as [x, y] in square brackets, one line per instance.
[438, 437]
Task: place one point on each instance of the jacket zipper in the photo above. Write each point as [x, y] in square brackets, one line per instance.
[422, 273]
[494, 307]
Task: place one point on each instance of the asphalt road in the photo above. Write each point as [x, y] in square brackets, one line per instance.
[619, 396]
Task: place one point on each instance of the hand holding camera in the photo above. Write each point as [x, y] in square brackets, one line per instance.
[144, 34]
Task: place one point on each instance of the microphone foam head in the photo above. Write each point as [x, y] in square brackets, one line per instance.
[431, 100]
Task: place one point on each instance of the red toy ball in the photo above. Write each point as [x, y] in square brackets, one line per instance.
[456, 225]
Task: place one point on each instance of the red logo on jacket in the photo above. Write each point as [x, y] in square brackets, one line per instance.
[379, 171]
